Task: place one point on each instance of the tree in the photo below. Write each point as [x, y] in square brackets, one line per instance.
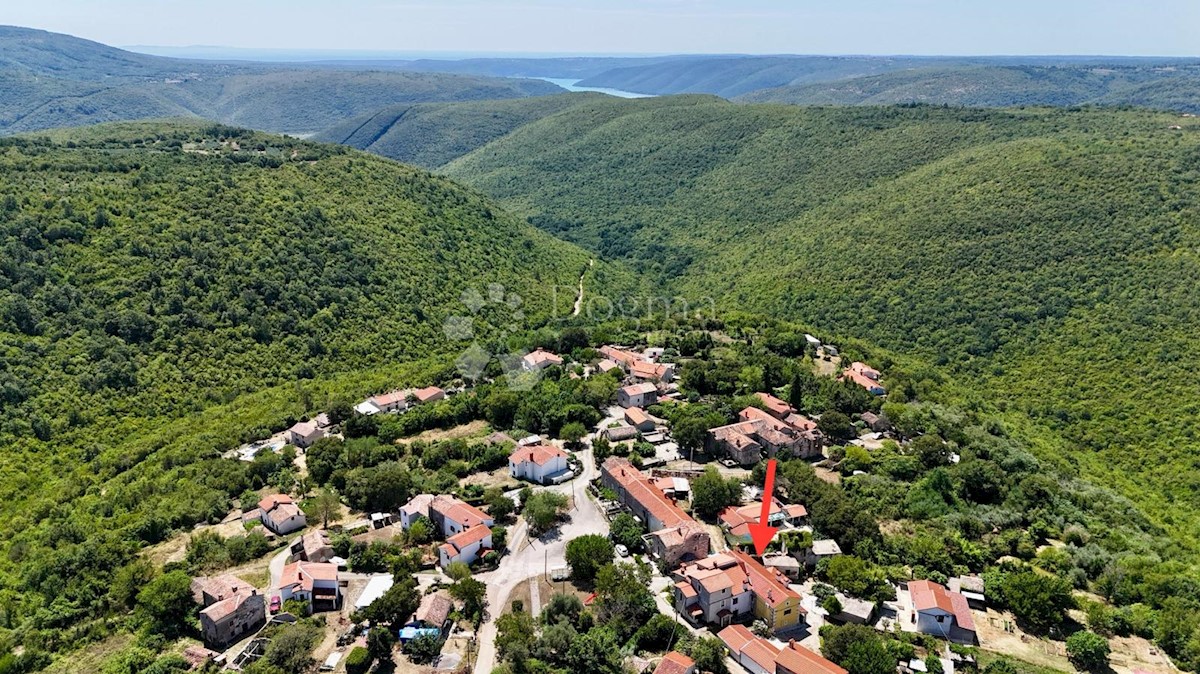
[836, 425]
[1088, 651]
[499, 505]
[709, 654]
[167, 603]
[381, 488]
[1039, 601]
[712, 493]
[515, 635]
[657, 634]
[423, 649]
[857, 648]
[542, 510]
[326, 506]
[856, 577]
[380, 642]
[623, 597]
[627, 531]
[586, 554]
[931, 451]
[291, 647]
[397, 604]
[563, 607]
[572, 433]
[473, 595]
[458, 570]
[596, 651]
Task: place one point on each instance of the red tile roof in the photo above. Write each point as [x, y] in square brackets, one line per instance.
[428, 393]
[768, 585]
[637, 389]
[742, 642]
[469, 537]
[465, 514]
[642, 490]
[538, 454]
[675, 663]
[799, 660]
[539, 357]
[636, 416]
[302, 574]
[270, 502]
[620, 355]
[775, 406]
[220, 610]
[928, 596]
[386, 399]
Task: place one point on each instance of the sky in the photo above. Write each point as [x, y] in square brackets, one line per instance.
[950, 27]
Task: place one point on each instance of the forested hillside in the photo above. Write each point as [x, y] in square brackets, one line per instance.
[169, 291]
[977, 86]
[51, 80]
[1046, 258]
[433, 134]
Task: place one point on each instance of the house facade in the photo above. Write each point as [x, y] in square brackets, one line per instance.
[760, 656]
[637, 395]
[232, 608]
[314, 583]
[734, 587]
[312, 547]
[280, 514]
[865, 376]
[941, 613]
[540, 360]
[450, 515]
[675, 536]
[466, 546]
[537, 463]
[303, 434]
[759, 433]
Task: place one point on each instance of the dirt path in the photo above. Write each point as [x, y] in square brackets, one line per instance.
[579, 298]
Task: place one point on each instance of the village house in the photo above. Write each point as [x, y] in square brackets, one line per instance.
[607, 365]
[676, 663]
[876, 422]
[393, 401]
[303, 434]
[972, 588]
[854, 610]
[450, 515]
[429, 394]
[314, 583]
[466, 546]
[232, 607]
[637, 395]
[621, 433]
[646, 371]
[940, 612]
[433, 612]
[280, 514]
[759, 432]
[538, 463]
[734, 587]
[539, 360]
[674, 488]
[312, 547]
[865, 376]
[367, 408]
[624, 359]
[674, 537]
[760, 656]
[736, 520]
[641, 419]
[821, 549]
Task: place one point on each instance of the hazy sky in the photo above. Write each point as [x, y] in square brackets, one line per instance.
[1133, 27]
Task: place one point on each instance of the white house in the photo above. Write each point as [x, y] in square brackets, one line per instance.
[466, 546]
[637, 395]
[280, 514]
[450, 515]
[540, 360]
[537, 463]
[392, 401]
[304, 433]
[940, 612]
[314, 583]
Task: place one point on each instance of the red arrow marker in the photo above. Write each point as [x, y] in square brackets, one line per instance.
[762, 534]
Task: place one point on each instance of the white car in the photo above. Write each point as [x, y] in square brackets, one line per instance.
[622, 550]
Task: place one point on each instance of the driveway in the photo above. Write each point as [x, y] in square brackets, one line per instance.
[530, 557]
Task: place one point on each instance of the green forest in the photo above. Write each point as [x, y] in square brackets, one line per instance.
[170, 291]
[1045, 258]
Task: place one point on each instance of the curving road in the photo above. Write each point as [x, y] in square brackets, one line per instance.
[530, 557]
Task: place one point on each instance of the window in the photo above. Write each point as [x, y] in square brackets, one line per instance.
[787, 611]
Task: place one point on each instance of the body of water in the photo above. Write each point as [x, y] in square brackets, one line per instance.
[570, 85]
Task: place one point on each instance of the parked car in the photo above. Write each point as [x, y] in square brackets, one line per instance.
[276, 604]
[622, 550]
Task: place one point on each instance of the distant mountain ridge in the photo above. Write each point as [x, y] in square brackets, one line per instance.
[52, 80]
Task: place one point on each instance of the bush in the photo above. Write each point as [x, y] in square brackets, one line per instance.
[1088, 651]
[358, 660]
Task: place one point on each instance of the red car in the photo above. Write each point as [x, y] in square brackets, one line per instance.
[276, 604]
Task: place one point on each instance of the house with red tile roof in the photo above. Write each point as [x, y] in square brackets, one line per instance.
[315, 583]
[940, 612]
[392, 401]
[758, 433]
[620, 356]
[774, 406]
[736, 520]
[429, 394]
[537, 463]
[637, 395]
[540, 360]
[280, 514]
[676, 663]
[674, 536]
[865, 376]
[760, 656]
[647, 371]
[732, 587]
[304, 433]
[465, 547]
[448, 514]
[232, 607]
